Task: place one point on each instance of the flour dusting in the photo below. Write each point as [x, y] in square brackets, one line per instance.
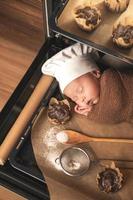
[50, 137]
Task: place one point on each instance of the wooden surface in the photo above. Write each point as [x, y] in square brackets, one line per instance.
[21, 36]
[9, 195]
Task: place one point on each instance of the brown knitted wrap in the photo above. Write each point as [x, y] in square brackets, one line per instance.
[116, 98]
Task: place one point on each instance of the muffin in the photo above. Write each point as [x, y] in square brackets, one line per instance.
[59, 112]
[110, 179]
[116, 5]
[87, 17]
[123, 35]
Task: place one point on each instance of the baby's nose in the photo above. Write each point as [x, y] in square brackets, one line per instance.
[83, 99]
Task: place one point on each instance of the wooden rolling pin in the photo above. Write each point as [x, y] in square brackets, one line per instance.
[24, 117]
[73, 137]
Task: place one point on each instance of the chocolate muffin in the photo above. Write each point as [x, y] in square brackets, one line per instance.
[123, 36]
[116, 5]
[87, 17]
[110, 180]
[59, 112]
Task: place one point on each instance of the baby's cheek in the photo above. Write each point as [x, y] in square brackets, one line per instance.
[95, 91]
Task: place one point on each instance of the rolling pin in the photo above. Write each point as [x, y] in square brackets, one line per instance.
[24, 117]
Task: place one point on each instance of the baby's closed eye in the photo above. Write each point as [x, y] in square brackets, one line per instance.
[77, 95]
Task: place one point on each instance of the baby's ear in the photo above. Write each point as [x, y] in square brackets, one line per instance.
[96, 73]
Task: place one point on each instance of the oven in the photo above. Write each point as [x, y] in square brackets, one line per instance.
[20, 172]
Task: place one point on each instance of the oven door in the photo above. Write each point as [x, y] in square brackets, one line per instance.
[27, 182]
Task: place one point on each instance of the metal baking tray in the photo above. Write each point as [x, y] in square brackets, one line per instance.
[62, 22]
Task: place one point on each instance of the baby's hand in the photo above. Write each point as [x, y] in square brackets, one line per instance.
[83, 110]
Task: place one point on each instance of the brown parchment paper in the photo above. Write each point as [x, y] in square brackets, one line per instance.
[64, 187]
[101, 35]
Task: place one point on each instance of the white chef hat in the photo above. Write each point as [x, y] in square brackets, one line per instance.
[69, 64]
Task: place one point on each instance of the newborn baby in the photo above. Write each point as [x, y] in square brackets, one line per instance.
[103, 97]
[77, 74]
[84, 91]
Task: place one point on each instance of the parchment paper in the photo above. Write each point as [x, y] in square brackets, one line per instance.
[101, 35]
[47, 149]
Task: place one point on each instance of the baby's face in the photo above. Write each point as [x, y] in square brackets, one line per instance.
[84, 91]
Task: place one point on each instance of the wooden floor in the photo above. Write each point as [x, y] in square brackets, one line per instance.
[5, 194]
[21, 36]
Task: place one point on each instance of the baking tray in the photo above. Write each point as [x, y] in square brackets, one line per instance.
[63, 22]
